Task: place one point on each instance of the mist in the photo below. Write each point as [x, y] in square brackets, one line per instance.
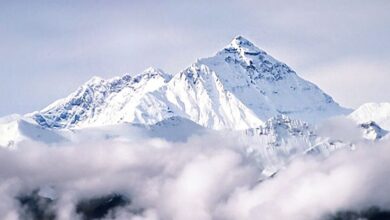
[209, 176]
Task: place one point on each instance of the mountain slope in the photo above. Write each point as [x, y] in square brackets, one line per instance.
[269, 86]
[15, 129]
[378, 112]
[102, 102]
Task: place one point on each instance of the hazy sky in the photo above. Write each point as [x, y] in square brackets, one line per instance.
[48, 48]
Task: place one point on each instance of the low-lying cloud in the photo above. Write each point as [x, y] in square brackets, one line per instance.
[207, 177]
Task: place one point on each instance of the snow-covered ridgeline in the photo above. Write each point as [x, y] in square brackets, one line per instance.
[238, 88]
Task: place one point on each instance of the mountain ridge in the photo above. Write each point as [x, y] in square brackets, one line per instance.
[240, 87]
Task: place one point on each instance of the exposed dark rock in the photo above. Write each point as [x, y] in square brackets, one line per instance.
[99, 207]
[372, 213]
[35, 207]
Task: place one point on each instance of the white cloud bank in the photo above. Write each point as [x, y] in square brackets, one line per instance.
[208, 177]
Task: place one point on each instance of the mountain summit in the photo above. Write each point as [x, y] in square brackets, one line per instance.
[240, 87]
[239, 42]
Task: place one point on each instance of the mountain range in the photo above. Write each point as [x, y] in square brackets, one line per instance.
[241, 89]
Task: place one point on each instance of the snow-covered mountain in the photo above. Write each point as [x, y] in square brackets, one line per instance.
[241, 89]
[238, 88]
[241, 96]
[15, 129]
[378, 112]
[104, 102]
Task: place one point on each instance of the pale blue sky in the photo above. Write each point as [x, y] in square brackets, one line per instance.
[48, 48]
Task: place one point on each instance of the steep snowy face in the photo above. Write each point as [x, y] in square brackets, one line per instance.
[269, 87]
[198, 94]
[100, 101]
[378, 112]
